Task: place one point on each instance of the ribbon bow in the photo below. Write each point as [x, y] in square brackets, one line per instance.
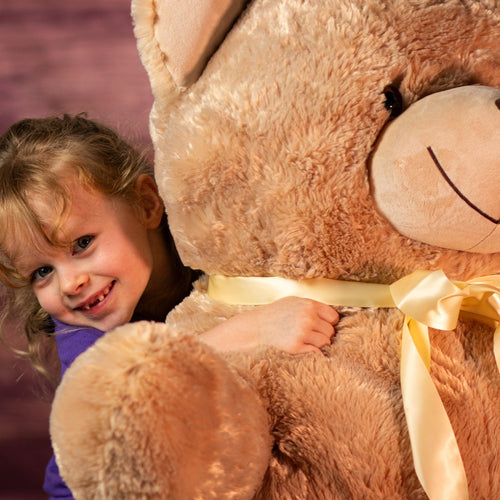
[428, 299]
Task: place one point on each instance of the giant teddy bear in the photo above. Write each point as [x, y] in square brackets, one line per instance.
[285, 169]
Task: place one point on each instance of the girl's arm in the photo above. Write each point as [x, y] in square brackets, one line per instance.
[292, 324]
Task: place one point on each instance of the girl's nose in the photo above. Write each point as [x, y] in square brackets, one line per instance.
[72, 281]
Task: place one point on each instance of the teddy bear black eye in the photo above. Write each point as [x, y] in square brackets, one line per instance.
[393, 101]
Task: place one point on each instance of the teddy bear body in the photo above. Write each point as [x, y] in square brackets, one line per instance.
[263, 164]
[255, 428]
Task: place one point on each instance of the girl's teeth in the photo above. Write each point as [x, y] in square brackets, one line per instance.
[99, 299]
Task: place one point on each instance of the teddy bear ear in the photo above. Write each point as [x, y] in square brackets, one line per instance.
[177, 38]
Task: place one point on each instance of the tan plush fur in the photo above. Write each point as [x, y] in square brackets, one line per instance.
[264, 167]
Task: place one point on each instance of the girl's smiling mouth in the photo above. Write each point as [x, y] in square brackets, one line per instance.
[96, 299]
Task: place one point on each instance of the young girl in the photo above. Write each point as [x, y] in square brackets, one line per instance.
[85, 247]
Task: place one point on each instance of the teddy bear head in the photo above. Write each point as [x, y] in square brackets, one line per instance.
[263, 155]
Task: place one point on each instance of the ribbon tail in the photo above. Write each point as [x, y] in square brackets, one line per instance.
[496, 346]
[436, 456]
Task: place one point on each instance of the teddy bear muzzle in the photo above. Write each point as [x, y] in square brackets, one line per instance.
[442, 189]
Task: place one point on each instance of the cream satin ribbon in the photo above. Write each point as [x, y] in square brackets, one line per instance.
[428, 299]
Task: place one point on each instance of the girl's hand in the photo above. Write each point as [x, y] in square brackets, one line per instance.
[292, 324]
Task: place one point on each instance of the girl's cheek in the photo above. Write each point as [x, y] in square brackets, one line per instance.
[48, 298]
[42, 299]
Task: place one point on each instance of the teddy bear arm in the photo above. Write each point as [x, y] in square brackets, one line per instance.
[123, 418]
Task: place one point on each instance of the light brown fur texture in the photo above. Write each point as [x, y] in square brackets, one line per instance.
[264, 167]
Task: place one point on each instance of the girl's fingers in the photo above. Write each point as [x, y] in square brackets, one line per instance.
[324, 328]
[318, 339]
[328, 314]
[305, 348]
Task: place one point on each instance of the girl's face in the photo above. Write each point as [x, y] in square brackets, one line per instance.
[98, 278]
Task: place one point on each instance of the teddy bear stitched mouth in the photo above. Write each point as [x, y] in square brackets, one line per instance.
[100, 298]
[455, 188]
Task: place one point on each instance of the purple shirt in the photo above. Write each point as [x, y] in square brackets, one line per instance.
[71, 341]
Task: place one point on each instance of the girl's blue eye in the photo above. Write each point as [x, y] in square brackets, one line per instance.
[82, 243]
[41, 273]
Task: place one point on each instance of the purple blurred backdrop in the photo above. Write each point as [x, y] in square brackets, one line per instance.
[59, 56]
